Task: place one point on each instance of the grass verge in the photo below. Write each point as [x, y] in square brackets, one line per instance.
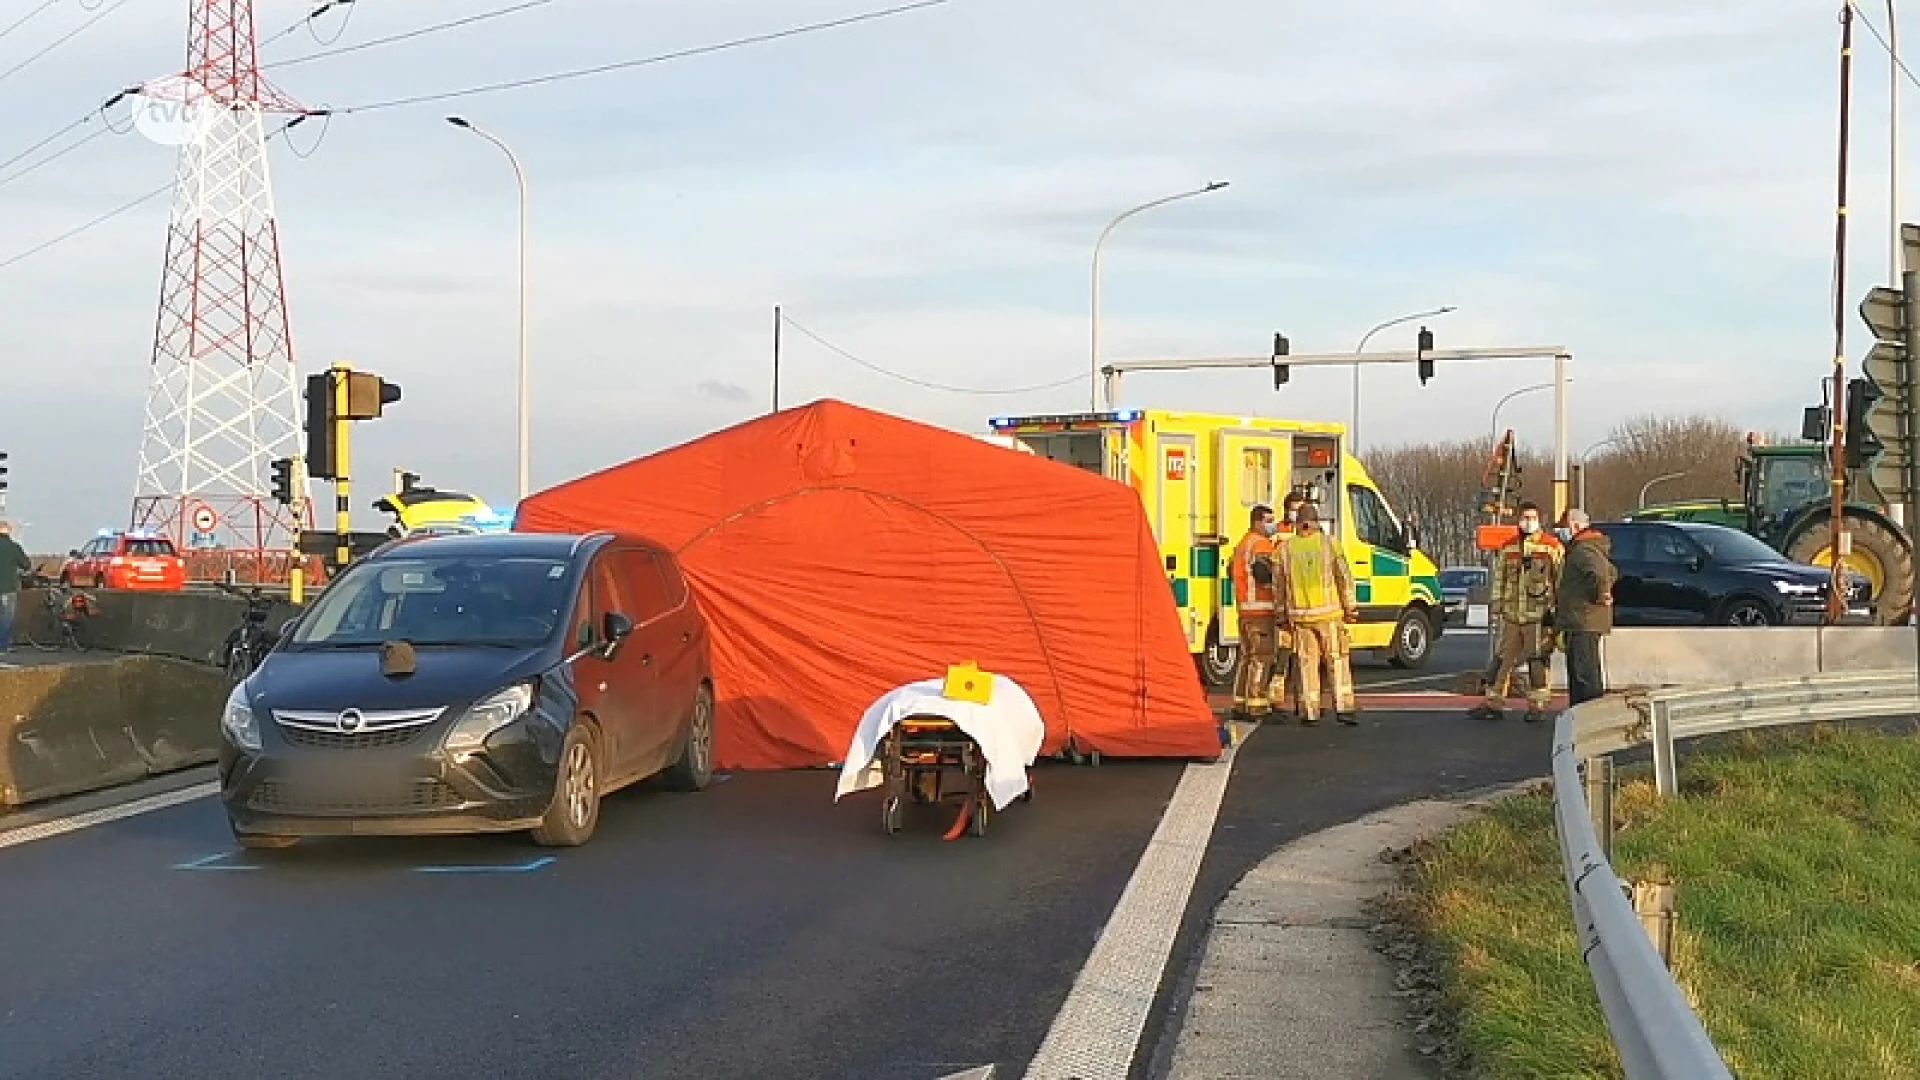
[1797, 863]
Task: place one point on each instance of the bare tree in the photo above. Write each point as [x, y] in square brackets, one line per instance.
[1438, 484]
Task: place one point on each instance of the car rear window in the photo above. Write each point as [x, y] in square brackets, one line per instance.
[149, 548]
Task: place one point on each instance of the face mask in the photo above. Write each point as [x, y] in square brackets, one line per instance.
[1529, 527]
[1565, 534]
[1268, 528]
[1293, 516]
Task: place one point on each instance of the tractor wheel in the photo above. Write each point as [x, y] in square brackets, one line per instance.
[1879, 554]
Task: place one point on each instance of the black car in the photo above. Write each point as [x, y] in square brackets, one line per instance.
[454, 684]
[1695, 574]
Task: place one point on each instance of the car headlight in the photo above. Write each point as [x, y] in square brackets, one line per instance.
[237, 719]
[1794, 588]
[489, 715]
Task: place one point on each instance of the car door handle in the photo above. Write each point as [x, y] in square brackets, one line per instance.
[686, 636]
[647, 659]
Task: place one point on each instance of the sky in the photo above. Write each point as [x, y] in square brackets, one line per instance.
[1649, 185]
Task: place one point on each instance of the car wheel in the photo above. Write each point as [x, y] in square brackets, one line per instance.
[1746, 613]
[1412, 639]
[1219, 661]
[695, 768]
[575, 809]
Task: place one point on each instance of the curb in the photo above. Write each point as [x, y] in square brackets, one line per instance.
[1289, 956]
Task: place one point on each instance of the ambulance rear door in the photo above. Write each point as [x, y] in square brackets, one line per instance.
[1251, 468]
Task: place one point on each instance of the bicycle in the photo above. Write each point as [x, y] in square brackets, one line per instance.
[249, 643]
[65, 610]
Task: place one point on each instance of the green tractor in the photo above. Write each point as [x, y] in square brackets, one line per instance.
[1786, 506]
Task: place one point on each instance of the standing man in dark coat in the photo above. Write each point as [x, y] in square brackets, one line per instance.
[1583, 608]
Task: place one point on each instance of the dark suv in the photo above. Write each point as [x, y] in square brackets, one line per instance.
[1694, 574]
[473, 684]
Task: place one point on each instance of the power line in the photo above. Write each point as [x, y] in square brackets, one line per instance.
[64, 38]
[101, 112]
[308, 21]
[1884, 44]
[831, 347]
[23, 20]
[723, 46]
[115, 212]
[736, 43]
[450, 24]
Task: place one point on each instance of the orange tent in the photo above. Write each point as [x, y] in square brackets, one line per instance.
[839, 553]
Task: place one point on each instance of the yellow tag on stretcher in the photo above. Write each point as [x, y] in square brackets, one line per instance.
[966, 682]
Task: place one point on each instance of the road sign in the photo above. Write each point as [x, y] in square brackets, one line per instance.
[1885, 364]
[1881, 310]
[204, 519]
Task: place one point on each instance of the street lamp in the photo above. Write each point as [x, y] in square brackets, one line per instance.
[1353, 429]
[1498, 405]
[1648, 486]
[1894, 72]
[1093, 392]
[520, 179]
[1613, 441]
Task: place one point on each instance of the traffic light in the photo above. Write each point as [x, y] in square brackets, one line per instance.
[1281, 372]
[282, 480]
[1422, 346]
[323, 457]
[1863, 446]
[367, 393]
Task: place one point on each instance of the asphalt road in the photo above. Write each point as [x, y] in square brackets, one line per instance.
[753, 930]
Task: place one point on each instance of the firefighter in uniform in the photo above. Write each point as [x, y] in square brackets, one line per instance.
[1253, 581]
[1285, 686]
[1526, 575]
[1317, 601]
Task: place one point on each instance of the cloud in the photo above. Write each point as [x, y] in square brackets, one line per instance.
[722, 391]
[1650, 186]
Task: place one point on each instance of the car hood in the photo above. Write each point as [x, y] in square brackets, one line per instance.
[329, 679]
[1782, 570]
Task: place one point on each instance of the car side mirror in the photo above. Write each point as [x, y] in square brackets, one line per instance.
[73, 553]
[614, 628]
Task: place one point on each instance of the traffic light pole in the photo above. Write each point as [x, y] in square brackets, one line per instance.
[297, 573]
[1561, 357]
[342, 486]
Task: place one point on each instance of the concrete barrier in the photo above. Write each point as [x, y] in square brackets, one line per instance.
[1645, 657]
[74, 728]
[190, 625]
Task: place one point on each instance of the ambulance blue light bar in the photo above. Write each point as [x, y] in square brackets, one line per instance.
[1121, 416]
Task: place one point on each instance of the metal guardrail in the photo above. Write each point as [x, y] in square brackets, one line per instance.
[1654, 1029]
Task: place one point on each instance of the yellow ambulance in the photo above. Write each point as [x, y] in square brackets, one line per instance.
[1199, 477]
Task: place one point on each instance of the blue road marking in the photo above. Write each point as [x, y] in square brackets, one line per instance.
[207, 862]
[522, 868]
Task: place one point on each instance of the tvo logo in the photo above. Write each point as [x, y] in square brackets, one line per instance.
[175, 112]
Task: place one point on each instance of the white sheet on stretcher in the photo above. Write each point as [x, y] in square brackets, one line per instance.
[1009, 730]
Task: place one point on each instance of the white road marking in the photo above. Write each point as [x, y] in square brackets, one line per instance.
[1415, 680]
[1097, 1031]
[60, 826]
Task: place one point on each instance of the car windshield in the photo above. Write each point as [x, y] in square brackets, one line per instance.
[440, 600]
[149, 548]
[1730, 546]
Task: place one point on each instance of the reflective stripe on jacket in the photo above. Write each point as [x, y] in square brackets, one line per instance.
[1251, 597]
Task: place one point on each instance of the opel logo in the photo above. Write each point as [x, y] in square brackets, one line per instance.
[350, 721]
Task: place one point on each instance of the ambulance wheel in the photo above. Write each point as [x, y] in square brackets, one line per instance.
[1218, 661]
[1412, 639]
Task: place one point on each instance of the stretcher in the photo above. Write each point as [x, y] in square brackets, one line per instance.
[927, 759]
